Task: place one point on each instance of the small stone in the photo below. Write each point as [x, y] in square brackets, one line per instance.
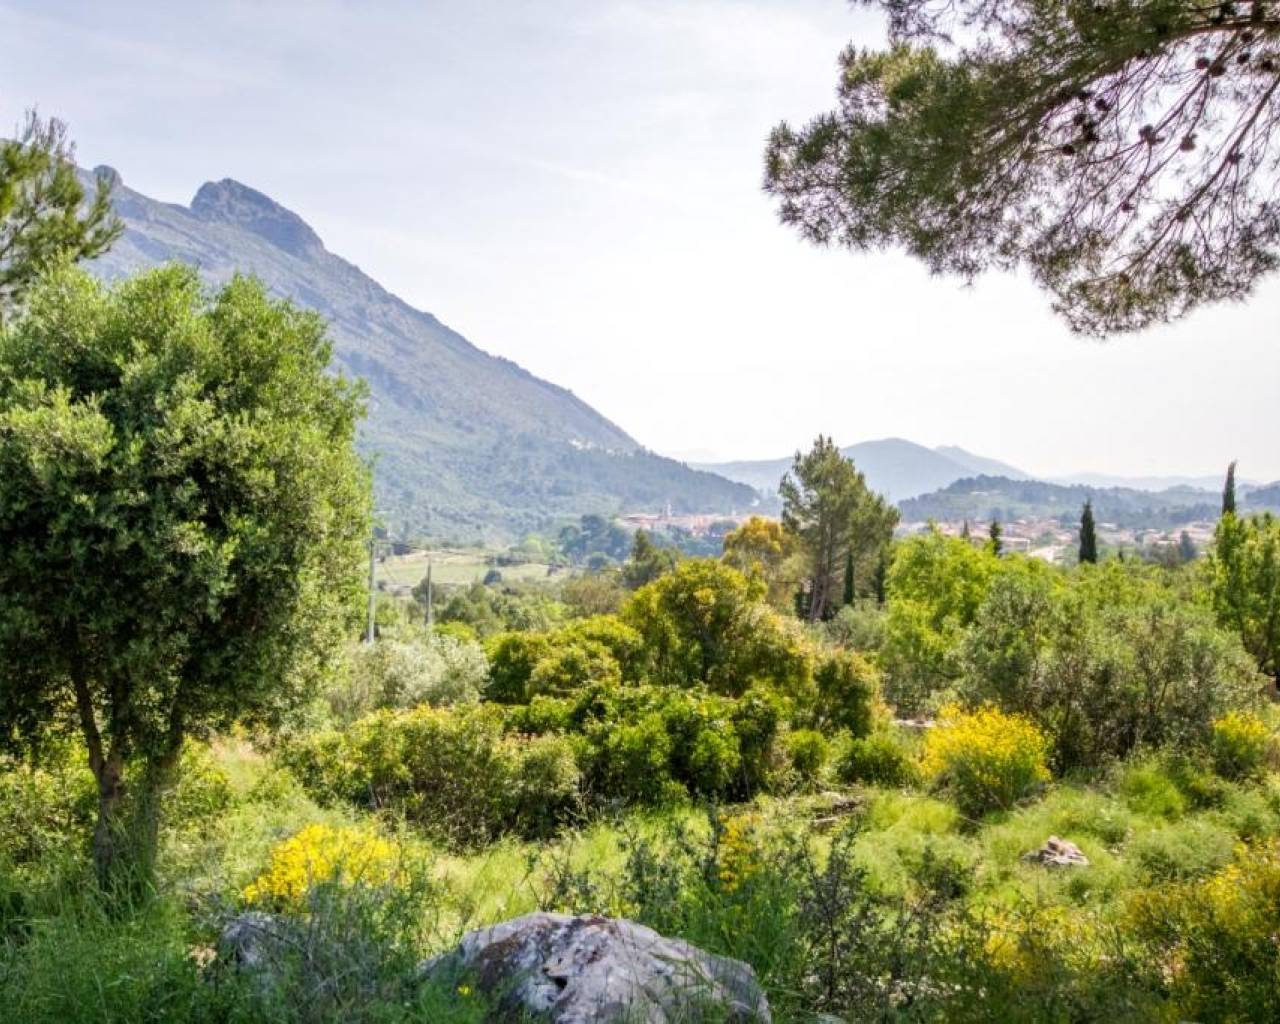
[1058, 853]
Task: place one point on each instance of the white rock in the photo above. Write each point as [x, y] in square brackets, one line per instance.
[580, 970]
[1058, 853]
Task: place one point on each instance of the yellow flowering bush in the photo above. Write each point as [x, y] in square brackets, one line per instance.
[1026, 942]
[1217, 939]
[738, 855]
[988, 758]
[323, 854]
[1239, 744]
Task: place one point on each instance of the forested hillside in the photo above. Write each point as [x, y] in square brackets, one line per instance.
[996, 497]
[468, 445]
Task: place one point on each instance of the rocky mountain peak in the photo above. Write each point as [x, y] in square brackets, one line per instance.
[230, 202]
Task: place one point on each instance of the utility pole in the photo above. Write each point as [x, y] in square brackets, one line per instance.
[373, 592]
[430, 598]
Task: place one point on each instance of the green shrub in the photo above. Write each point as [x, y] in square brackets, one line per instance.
[714, 761]
[631, 761]
[847, 687]
[1148, 789]
[881, 759]
[512, 659]
[570, 666]
[809, 752]
[986, 758]
[455, 772]
[1240, 745]
[1104, 665]
[1184, 849]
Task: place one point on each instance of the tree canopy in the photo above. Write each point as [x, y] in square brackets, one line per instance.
[182, 514]
[44, 216]
[828, 508]
[1123, 150]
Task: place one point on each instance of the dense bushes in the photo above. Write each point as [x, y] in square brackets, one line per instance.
[1103, 679]
[881, 759]
[847, 689]
[705, 623]
[1104, 659]
[454, 772]
[1219, 937]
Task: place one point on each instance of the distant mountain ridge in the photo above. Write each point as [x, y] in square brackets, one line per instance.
[897, 468]
[467, 444]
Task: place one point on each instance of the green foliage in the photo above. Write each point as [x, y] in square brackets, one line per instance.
[455, 772]
[836, 519]
[1104, 666]
[601, 649]
[809, 752]
[762, 549]
[1219, 931]
[435, 669]
[705, 623]
[1088, 535]
[45, 218]
[182, 515]
[648, 561]
[880, 759]
[571, 666]
[847, 689]
[936, 585]
[1087, 142]
[1245, 581]
[492, 609]
[593, 593]
[858, 627]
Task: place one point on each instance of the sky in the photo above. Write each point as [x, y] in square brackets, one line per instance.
[577, 186]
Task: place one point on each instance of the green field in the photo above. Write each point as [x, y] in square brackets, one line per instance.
[455, 567]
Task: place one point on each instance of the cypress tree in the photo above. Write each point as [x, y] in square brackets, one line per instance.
[964, 533]
[1088, 536]
[1229, 490]
[882, 573]
[848, 577]
[994, 533]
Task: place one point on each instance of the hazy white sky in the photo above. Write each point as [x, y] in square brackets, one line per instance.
[576, 186]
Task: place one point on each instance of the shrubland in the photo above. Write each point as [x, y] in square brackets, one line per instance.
[827, 753]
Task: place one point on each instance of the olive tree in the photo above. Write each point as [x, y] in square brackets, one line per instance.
[181, 519]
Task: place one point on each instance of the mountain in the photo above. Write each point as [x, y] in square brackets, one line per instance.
[896, 468]
[978, 465]
[983, 498]
[1150, 483]
[467, 445]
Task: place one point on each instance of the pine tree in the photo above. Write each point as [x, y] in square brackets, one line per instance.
[848, 577]
[1229, 491]
[995, 533]
[1088, 536]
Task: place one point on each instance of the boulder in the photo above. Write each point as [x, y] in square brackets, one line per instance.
[576, 970]
[1058, 853]
[253, 939]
